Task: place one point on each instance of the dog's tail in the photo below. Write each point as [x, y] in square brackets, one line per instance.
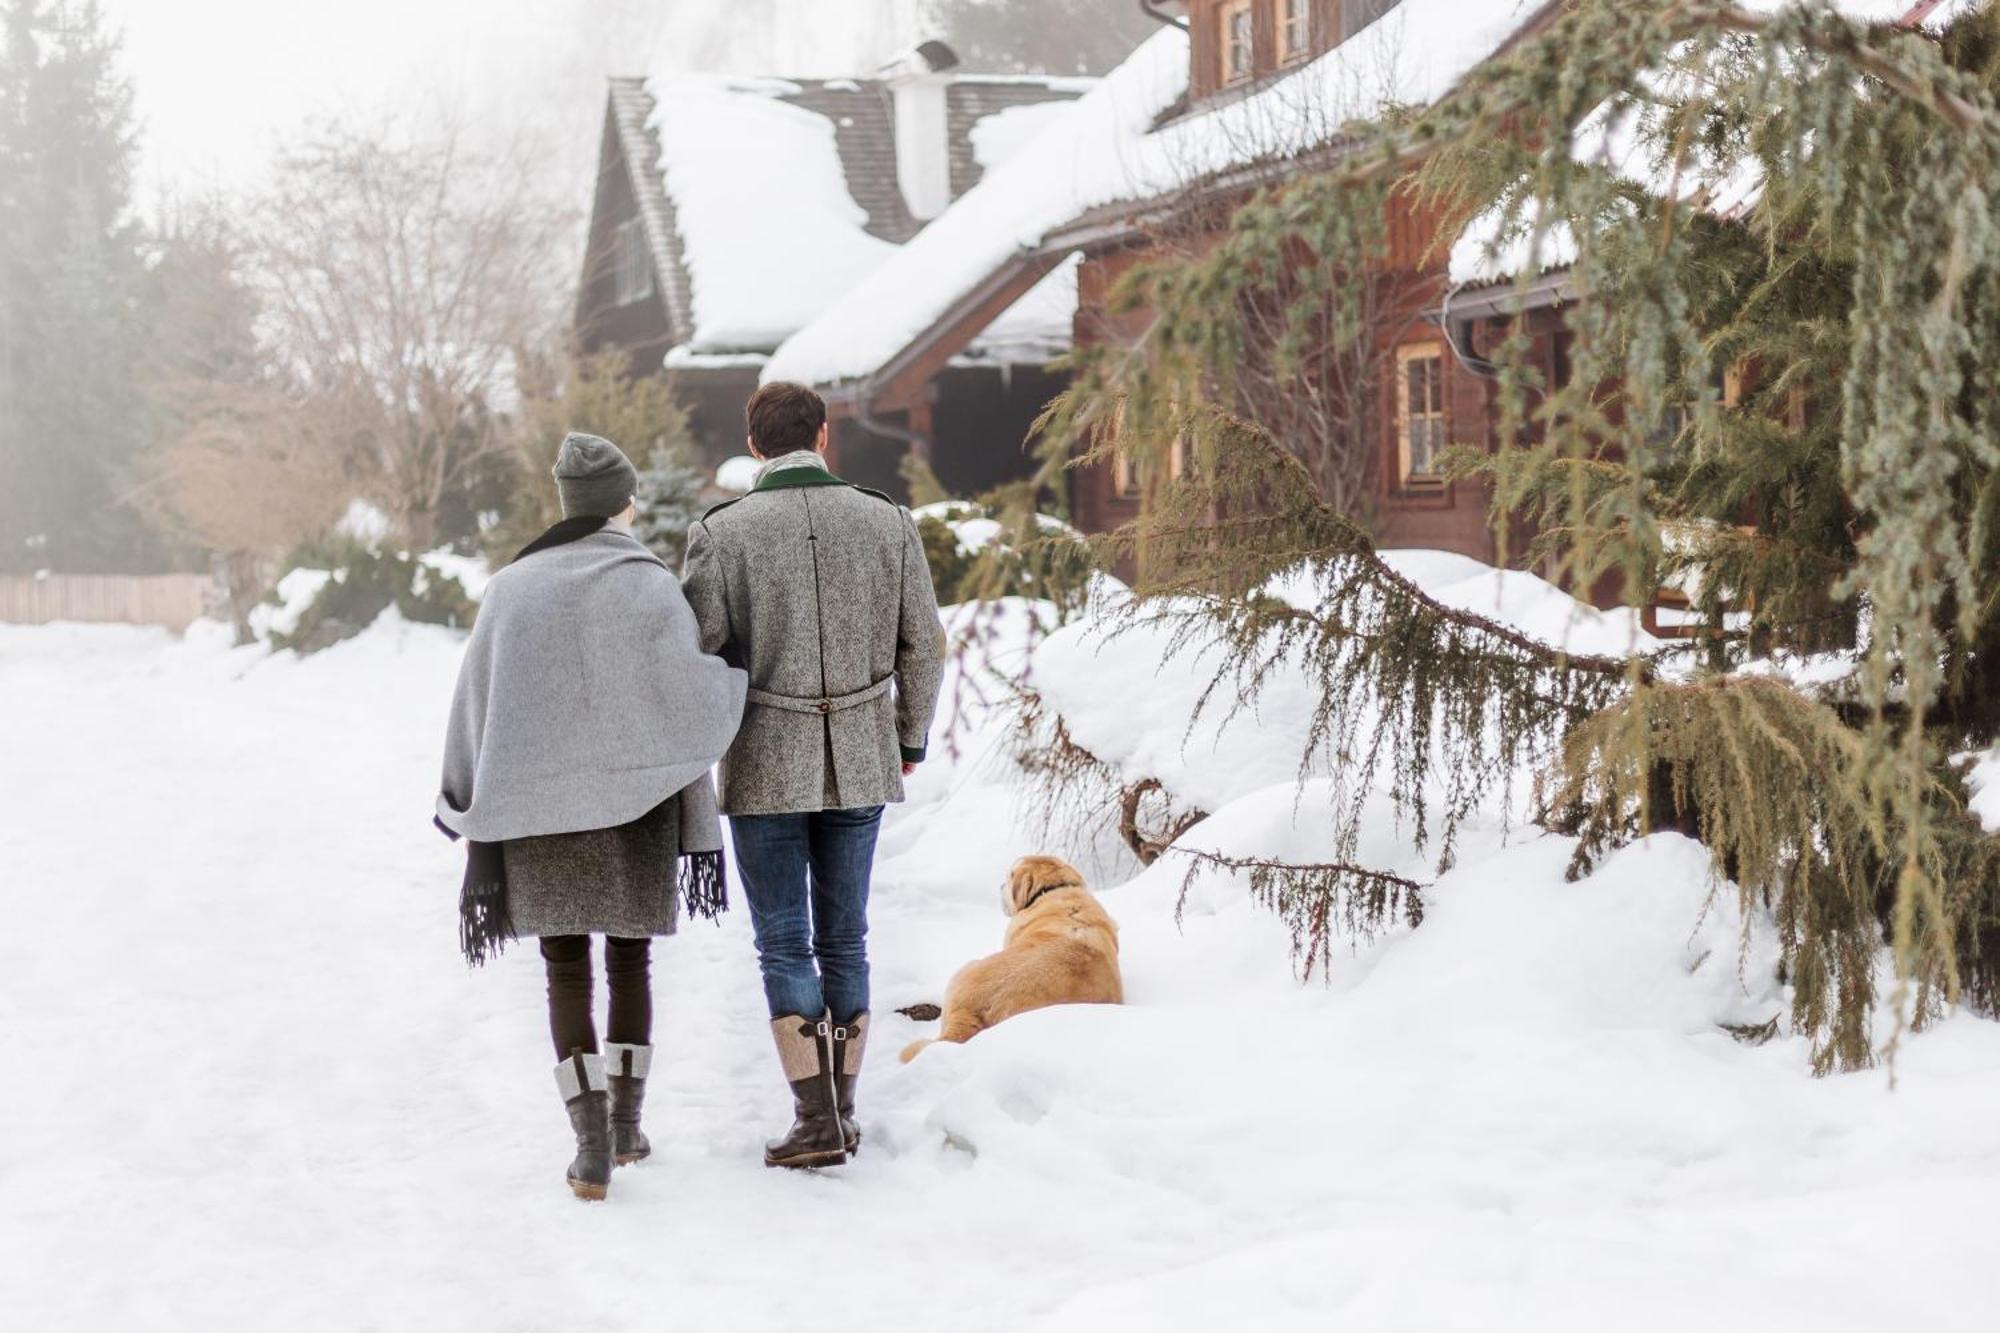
[959, 1026]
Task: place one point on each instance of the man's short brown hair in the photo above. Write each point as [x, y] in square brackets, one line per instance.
[784, 418]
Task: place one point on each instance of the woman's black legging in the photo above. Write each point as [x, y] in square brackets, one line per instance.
[627, 970]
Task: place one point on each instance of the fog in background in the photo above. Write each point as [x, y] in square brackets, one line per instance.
[263, 258]
[219, 82]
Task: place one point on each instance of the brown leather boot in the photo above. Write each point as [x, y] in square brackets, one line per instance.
[628, 1066]
[849, 1041]
[580, 1079]
[805, 1050]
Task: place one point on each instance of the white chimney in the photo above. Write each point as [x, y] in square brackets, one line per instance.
[917, 80]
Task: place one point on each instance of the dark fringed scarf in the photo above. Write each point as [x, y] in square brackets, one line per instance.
[485, 925]
[702, 886]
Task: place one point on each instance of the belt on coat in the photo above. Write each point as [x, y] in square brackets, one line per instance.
[821, 705]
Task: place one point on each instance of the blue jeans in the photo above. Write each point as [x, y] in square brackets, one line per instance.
[806, 877]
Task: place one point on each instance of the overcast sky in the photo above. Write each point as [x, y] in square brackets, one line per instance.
[218, 82]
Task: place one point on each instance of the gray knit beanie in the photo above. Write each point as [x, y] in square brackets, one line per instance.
[594, 477]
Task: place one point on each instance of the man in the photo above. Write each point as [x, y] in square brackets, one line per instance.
[821, 590]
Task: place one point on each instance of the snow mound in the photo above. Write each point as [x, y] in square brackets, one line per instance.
[1128, 702]
[1124, 700]
[1525, 602]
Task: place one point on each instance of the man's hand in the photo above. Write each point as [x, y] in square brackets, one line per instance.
[908, 768]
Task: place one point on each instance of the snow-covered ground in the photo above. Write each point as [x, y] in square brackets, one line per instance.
[251, 1085]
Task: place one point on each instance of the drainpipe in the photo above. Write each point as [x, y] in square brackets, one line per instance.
[1458, 336]
[865, 415]
[1150, 8]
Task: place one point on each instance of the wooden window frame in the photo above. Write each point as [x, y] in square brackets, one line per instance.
[1409, 480]
[1285, 29]
[1125, 477]
[1225, 14]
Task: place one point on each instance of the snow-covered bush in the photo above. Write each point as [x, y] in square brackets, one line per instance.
[349, 582]
[974, 557]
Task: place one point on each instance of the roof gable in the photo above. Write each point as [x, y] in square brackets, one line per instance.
[765, 199]
[1131, 141]
[639, 153]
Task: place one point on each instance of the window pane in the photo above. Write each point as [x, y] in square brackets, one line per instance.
[1426, 442]
[1296, 17]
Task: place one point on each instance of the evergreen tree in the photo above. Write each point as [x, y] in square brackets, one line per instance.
[1835, 512]
[669, 501]
[69, 412]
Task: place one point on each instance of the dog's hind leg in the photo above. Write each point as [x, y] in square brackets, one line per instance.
[960, 1026]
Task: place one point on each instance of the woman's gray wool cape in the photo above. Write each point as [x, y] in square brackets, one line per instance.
[584, 701]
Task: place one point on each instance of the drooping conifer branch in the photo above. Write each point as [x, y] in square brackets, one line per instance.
[1243, 569]
[1318, 900]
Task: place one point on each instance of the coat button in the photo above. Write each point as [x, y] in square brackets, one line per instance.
[825, 706]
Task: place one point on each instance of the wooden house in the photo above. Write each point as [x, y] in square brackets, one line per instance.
[1231, 96]
[729, 212]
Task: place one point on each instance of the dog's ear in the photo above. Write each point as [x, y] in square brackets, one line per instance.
[1020, 883]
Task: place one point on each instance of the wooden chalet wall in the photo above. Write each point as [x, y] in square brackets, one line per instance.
[1451, 516]
[977, 419]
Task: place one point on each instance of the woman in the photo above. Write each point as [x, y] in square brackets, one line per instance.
[577, 767]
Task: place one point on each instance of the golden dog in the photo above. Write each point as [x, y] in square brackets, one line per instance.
[1061, 948]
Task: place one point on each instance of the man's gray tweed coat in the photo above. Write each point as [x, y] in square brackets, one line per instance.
[820, 589]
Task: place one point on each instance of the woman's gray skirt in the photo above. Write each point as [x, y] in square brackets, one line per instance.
[609, 881]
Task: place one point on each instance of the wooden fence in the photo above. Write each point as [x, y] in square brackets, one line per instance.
[173, 600]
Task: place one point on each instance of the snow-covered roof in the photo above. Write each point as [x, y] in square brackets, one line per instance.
[1492, 249]
[1036, 329]
[778, 195]
[1117, 145]
[769, 231]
